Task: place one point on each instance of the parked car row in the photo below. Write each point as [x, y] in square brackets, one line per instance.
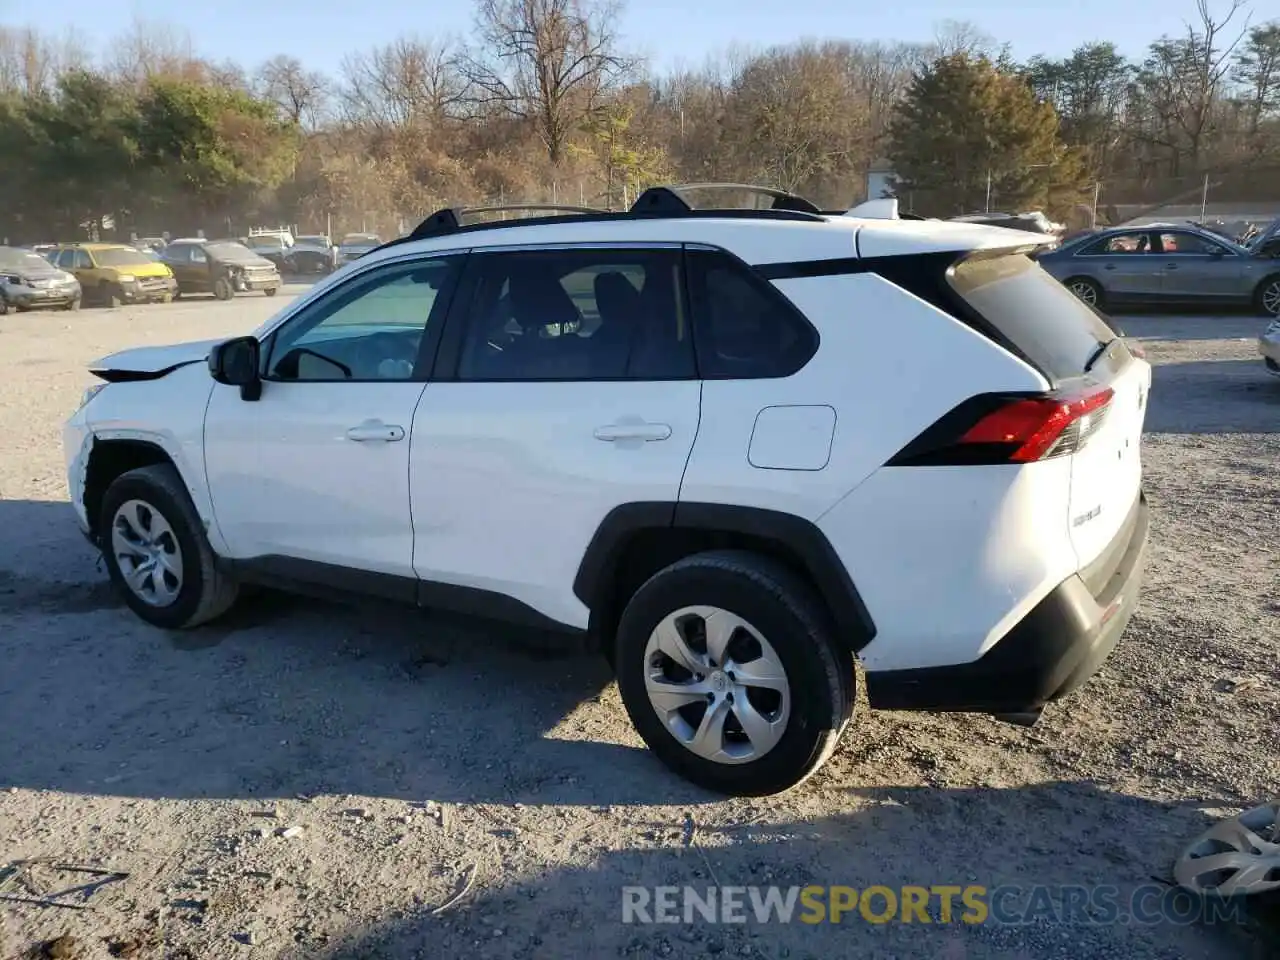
[111, 274]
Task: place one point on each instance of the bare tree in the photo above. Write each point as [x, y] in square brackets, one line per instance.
[408, 82]
[952, 37]
[30, 63]
[546, 62]
[148, 50]
[299, 93]
[1180, 85]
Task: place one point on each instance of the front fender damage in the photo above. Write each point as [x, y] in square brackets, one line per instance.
[78, 481]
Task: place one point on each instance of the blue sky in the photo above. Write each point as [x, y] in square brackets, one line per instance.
[669, 32]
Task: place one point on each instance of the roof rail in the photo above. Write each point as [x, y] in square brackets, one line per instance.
[449, 220]
[668, 199]
[656, 202]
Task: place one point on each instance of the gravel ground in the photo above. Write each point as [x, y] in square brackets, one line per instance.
[313, 781]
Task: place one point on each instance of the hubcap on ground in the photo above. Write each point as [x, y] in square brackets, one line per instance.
[147, 553]
[1085, 292]
[1271, 299]
[717, 684]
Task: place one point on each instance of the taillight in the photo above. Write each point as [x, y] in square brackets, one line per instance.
[995, 428]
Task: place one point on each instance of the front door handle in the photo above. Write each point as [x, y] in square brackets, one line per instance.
[633, 431]
[1171, 266]
[375, 431]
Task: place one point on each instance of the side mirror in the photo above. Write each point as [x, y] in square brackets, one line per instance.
[235, 363]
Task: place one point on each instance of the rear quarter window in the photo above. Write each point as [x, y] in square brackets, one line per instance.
[1031, 309]
[743, 327]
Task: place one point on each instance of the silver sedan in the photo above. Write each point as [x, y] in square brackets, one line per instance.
[1166, 264]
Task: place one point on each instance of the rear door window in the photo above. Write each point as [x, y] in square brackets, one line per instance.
[1035, 312]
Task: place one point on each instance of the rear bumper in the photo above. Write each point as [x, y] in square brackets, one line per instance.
[1052, 651]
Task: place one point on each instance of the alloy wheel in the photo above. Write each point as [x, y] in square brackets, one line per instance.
[1085, 291]
[147, 553]
[1271, 298]
[717, 684]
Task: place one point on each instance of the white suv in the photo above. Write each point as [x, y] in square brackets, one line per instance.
[737, 449]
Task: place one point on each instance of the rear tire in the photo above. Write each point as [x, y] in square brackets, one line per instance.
[1088, 291]
[773, 627]
[1267, 297]
[155, 499]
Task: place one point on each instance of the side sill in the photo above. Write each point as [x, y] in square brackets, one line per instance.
[325, 580]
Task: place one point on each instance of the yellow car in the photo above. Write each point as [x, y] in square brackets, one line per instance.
[112, 273]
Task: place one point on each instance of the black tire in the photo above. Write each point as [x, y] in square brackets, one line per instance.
[271, 291]
[106, 295]
[1084, 288]
[205, 592]
[73, 305]
[787, 613]
[222, 289]
[1266, 298]
[4, 306]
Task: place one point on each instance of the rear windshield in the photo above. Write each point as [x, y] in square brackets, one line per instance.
[1038, 315]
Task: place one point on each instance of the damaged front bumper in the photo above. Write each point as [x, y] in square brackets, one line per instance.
[77, 443]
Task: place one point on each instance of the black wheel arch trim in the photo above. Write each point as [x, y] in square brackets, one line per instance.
[798, 536]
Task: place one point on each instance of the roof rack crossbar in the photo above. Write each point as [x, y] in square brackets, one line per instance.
[449, 220]
[668, 199]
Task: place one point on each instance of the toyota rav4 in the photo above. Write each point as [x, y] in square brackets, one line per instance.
[737, 450]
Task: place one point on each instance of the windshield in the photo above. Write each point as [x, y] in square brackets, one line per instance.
[119, 257]
[1038, 315]
[360, 240]
[224, 250]
[21, 259]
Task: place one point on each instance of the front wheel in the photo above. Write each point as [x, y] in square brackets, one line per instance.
[271, 291]
[222, 289]
[156, 551]
[1267, 297]
[729, 669]
[73, 304]
[1088, 291]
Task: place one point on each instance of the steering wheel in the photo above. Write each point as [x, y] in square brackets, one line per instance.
[387, 356]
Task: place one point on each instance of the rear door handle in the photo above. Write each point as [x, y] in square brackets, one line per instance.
[633, 431]
[376, 431]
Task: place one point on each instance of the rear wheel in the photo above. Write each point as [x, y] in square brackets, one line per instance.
[156, 551]
[729, 669]
[1087, 290]
[1267, 297]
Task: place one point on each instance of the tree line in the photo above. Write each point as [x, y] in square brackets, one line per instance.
[543, 102]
